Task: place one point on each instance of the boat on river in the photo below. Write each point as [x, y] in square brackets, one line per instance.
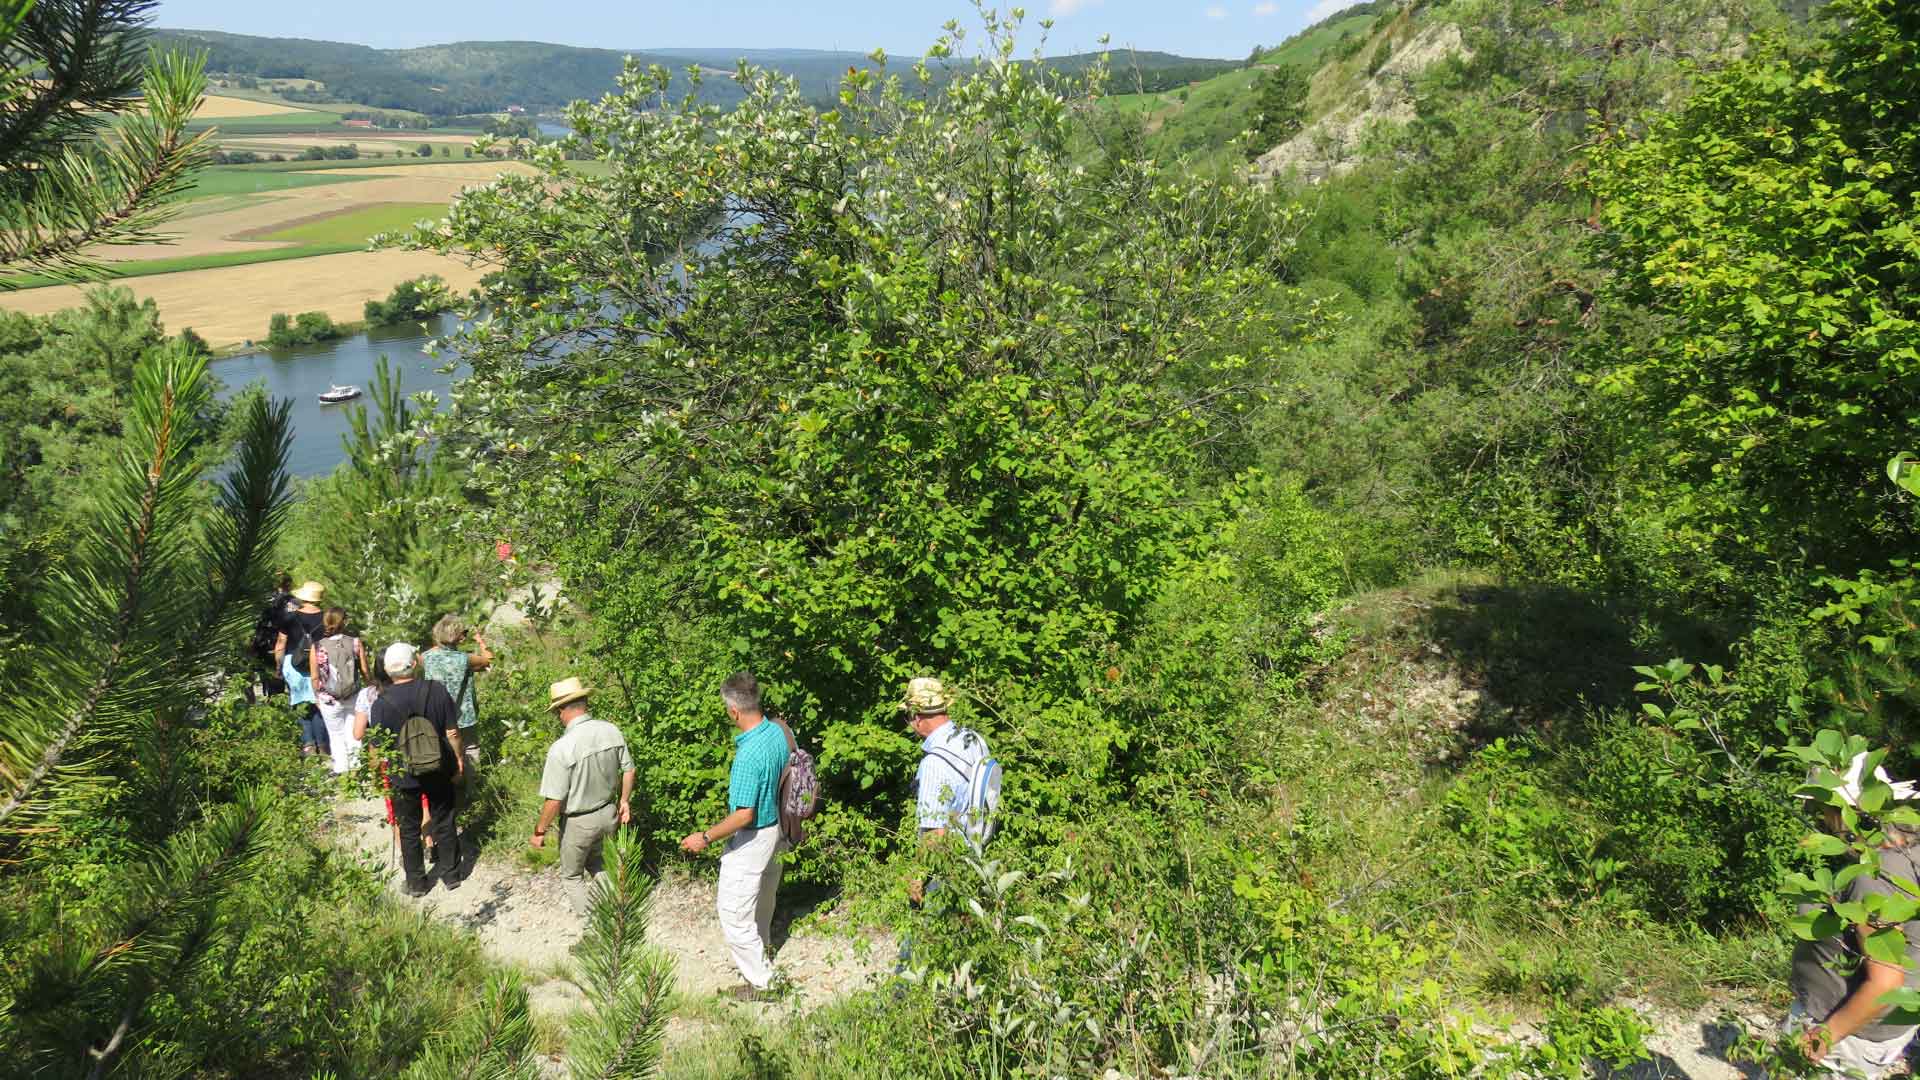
[337, 394]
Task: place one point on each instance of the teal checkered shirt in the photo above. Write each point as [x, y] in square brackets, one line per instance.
[754, 784]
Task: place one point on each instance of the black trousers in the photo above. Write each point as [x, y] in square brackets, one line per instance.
[439, 791]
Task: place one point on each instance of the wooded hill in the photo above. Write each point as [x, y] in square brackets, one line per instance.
[489, 76]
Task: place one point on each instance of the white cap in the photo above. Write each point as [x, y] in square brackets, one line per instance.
[399, 658]
[1849, 787]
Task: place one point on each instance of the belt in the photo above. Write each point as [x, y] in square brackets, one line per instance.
[595, 810]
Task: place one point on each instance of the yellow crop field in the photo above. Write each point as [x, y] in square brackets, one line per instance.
[213, 107]
[231, 304]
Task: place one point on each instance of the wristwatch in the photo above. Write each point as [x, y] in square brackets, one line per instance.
[704, 838]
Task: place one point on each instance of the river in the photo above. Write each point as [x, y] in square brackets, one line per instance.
[302, 372]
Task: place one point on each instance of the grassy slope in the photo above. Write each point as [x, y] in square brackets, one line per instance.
[1219, 108]
[243, 180]
[356, 227]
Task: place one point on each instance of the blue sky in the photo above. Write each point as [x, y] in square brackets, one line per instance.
[1223, 28]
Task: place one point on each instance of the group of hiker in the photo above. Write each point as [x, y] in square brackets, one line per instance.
[424, 703]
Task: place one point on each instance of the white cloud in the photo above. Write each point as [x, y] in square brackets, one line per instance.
[1266, 9]
[1059, 9]
[1325, 8]
[1216, 12]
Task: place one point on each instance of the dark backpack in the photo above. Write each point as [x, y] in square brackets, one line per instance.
[299, 645]
[799, 790]
[417, 749]
[267, 627]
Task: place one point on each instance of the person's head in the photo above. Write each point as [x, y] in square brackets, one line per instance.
[1849, 791]
[400, 659]
[333, 622]
[926, 705]
[741, 694]
[285, 584]
[450, 631]
[567, 699]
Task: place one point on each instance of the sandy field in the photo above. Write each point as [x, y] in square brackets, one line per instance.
[222, 230]
[232, 304]
[220, 108]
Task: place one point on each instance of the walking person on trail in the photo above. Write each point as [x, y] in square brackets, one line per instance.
[426, 763]
[1837, 1017]
[339, 667]
[957, 787]
[293, 655]
[588, 788]
[750, 866]
[267, 628]
[454, 669]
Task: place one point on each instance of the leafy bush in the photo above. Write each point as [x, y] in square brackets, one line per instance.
[410, 300]
[304, 329]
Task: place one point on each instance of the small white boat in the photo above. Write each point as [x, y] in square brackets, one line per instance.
[338, 394]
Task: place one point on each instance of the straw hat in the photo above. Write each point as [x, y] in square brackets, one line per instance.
[310, 592]
[926, 696]
[566, 690]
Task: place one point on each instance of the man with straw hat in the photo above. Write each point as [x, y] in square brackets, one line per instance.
[1838, 1017]
[587, 785]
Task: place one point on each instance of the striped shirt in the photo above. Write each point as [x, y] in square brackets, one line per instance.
[942, 782]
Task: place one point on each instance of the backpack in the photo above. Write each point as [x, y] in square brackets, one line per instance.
[799, 790]
[298, 644]
[266, 627]
[417, 750]
[979, 818]
[339, 675]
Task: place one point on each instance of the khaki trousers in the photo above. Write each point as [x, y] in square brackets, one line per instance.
[749, 878]
[582, 837]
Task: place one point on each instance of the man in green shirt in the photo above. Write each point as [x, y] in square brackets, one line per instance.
[588, 767]
[750, 867]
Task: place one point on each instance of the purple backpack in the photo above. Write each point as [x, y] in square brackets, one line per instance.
[799, 790]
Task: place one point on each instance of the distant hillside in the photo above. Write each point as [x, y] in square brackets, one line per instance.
[490, 76]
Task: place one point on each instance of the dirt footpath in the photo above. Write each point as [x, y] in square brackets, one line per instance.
[232, 304]
[522, 918]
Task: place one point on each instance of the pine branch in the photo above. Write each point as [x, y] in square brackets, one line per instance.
[629, 983]
[115, 192]
[493, 1041]
[112, 613]
[74, 60]
[242, 535]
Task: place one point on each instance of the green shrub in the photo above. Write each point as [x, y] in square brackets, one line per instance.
[410, 300]
[305, 328]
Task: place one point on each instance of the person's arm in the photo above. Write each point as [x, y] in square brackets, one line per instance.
[1862, 1007]
[459, 758]
[366, 668]
[448, 715]
[548, 811]
[313, 660]
[360, 719]
[279, 647]
[732, 823]
[626, 797]
[483, 659]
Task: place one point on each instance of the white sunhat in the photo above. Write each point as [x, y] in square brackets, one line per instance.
[1849, 787]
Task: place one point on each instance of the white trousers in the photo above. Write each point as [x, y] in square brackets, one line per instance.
[749, 877]
[339, 721]
[1852, 1057]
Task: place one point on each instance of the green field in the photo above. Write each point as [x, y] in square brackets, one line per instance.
[268, 167]
[148, 267]
[1309, 50]
[356, 227]
[282, 124]
[251, 180]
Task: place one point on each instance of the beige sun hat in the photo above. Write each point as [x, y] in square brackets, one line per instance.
[566, 690]
[927, 695]
[310, 592]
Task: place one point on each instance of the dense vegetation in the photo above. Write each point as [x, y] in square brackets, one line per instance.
[1599, 356]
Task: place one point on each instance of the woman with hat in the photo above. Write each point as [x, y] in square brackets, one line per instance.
[293, 652]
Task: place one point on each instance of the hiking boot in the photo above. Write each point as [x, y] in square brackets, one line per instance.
[416, 890]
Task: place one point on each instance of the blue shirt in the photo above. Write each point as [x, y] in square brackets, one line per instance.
[942, 784]
[759, 755]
